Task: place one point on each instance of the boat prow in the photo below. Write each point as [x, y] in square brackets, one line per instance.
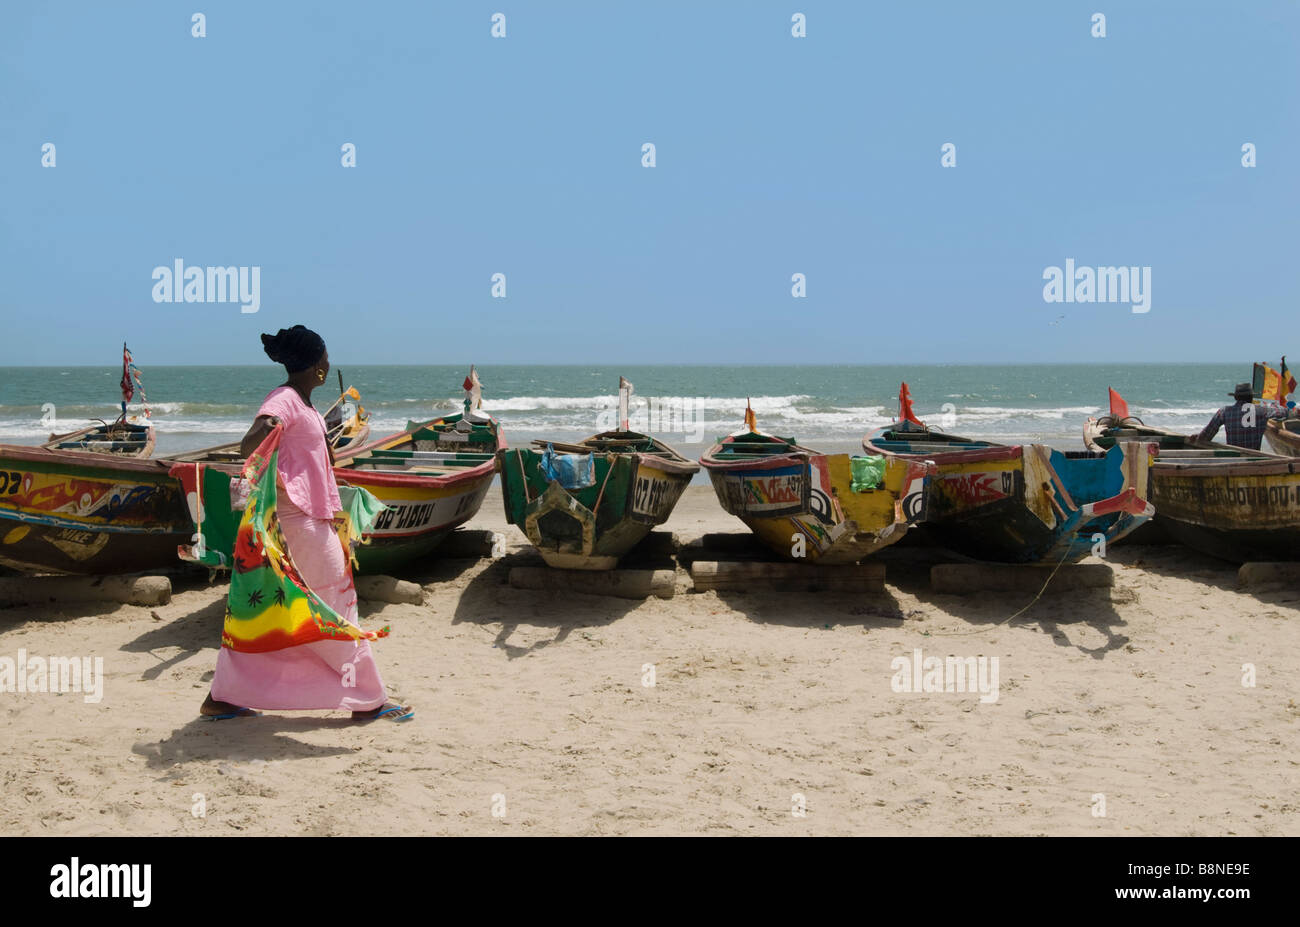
[811, 507]
[585, 505]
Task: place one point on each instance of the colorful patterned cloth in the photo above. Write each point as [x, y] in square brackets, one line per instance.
[270, 606]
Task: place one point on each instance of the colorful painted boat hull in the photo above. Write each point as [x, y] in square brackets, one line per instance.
[1030, 503]
[802, 506]
[89, 513]
[1239, 510]
[592, 527]
[1284, 437]
[433, 478]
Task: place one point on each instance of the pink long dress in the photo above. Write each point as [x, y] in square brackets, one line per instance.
[324, 674]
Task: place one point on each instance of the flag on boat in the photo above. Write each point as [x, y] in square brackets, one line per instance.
[473, 389]
[270, 607]
[624, 402]
[1288, 381]
[1118, 407]
[1271, 390]
[132, 380]
[905, 413]
[751, 421]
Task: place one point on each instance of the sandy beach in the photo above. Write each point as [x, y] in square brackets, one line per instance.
[533, 716]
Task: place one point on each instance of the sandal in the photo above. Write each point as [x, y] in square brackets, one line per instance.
[391, 711]
[241, 713]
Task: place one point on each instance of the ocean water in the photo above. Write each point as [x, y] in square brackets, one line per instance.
[825, 407]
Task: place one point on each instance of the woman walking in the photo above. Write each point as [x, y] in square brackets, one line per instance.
[323, 674]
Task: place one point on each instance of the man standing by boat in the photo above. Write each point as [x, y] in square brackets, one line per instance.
[1245, 422]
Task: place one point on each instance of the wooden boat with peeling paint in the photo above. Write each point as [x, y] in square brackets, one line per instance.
[626, 484]
[1284, 437]
[120, 439]
[77, 511]
[431, 477]
[585, 505]
[1231, 503]
[1022, 503]
[807, 506]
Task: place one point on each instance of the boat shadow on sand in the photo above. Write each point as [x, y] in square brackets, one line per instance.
[907, 604]
[489, 600]
[1059, 613]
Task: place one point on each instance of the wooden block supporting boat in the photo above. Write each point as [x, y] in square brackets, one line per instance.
[1257, 573]
[389, 589]
[464, 543]
[809, 507]
[739, 576]
[967, 578]
[41, 590]
[1021, 503]
[623, 583]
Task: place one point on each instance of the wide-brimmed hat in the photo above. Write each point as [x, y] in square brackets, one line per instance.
[1243, 391]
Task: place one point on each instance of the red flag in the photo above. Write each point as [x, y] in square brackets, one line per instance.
[905, 413]
[1288, 381]
[1118, 407]
[128, 389]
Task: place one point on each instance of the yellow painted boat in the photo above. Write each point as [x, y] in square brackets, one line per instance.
[811, 507]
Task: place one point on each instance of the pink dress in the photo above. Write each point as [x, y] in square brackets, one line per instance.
[324, 674]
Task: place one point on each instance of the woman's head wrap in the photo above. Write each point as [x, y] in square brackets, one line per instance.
[297, 348]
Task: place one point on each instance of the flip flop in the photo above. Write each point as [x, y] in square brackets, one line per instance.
[242, 713]
[392, 713]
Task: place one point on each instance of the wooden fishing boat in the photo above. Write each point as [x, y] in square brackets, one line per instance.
[585, 505]
[1021, 503]
[120, 438]
[1103, 432]
[1228, 502]
[813, 507]
[70, 511]
[1284, 437]
[432, 477]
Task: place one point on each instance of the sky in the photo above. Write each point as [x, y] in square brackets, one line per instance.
[775, 155]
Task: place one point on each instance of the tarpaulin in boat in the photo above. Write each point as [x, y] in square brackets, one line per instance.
[571, 471]
[866, 473]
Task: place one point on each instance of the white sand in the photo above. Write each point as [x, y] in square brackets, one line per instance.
[1134, 693]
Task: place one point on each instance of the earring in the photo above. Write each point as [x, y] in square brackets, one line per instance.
[320, 376]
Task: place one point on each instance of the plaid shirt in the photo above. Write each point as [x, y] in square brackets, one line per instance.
[1239, 435]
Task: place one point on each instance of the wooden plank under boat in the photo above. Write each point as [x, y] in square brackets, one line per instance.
[1284, 436]
[802, 504]
[1021, 503]
[636, 480]
[73, 511]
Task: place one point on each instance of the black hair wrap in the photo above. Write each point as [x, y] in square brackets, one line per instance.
[297, 348]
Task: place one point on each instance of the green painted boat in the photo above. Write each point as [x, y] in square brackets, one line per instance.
[585, 505]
